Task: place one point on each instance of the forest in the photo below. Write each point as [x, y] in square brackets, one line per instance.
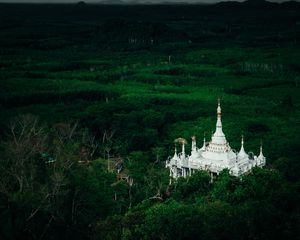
[92, 98]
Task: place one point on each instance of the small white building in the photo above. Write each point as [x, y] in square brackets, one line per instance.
[213, 156]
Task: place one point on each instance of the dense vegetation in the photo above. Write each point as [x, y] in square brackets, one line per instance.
[86, 90]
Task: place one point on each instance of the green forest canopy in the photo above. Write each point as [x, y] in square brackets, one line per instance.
[98, 87]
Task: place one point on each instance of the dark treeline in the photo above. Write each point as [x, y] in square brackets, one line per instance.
[258, 25]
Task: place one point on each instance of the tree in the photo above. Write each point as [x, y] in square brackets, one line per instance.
[158, 153]
[225, 186]
[43, 189]
[192, 188]
[26, 180]
[172, 220]
[107, 145]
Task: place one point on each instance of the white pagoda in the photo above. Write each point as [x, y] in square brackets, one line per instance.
[213, 156]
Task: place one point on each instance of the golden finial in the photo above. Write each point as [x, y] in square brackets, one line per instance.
[219, 108]
[180, 141]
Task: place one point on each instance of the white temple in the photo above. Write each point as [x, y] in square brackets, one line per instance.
[213, 156]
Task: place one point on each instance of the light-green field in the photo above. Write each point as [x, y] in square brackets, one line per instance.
[254, 85]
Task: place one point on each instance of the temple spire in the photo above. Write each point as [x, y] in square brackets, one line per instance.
[219, 113]
[242, 152]
[219, 137]
[219, 108]
[204, 144]
[242, 142]
[194, 147]
[261, 151]
[175, 154]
